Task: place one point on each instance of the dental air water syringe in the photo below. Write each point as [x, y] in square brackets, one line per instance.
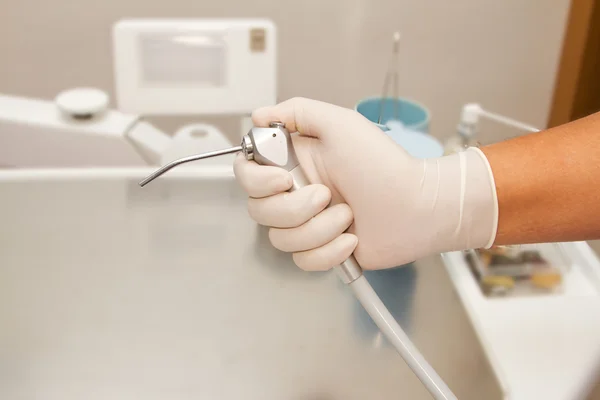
[273, 146]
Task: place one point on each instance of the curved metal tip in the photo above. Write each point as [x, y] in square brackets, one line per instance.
[155, 175]
[184, 160]
[161, 171]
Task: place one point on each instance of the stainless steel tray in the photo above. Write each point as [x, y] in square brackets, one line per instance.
[109, 291]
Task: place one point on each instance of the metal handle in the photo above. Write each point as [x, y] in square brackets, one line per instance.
[263, 151]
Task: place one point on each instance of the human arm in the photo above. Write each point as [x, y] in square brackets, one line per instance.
[548, 184]
[368, 196]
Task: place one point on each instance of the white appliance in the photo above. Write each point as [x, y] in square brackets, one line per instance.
[207, 66]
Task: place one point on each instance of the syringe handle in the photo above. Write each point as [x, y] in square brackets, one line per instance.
[349, 270]
[274, 146]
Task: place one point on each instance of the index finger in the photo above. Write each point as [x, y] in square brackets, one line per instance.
[260, 181]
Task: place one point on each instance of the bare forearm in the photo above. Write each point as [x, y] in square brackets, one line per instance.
[548, 184]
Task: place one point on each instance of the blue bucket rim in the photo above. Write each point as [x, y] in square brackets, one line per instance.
[424, 123]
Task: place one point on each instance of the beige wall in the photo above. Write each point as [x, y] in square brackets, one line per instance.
[501, 53]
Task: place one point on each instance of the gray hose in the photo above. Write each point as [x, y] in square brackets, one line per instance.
[394, 333]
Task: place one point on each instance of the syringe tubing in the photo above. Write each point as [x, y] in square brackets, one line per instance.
[350, 273]
[398, 338]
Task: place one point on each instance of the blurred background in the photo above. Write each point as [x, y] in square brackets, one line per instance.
[504, 55]
[533, 61]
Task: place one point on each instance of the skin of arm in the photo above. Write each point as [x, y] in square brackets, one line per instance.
[548, 184]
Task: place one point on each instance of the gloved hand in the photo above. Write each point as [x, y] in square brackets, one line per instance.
[385, 205]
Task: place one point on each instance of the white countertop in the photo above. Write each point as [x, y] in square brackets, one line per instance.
[541, 347]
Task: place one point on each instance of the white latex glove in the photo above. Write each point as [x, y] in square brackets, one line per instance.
[395, 207]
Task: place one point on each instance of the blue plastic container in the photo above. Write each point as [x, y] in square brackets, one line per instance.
[411, 114]
[414, 117]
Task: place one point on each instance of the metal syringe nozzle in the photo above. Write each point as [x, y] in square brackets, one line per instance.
[184, 160]
[267, 146]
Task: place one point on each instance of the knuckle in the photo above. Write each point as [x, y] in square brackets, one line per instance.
[311, 261]
[253, 183]
[346, 213]
[301, 261]
[324, 189]
[246, 181]
[368, 257]
[253, 207]
[323, 194]
[275, 239]
[246, 185]
[250, 208]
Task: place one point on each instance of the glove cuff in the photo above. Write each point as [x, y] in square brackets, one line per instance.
[460, 192]
[495, 215]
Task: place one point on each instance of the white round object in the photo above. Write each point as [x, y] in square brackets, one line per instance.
[82, 101]
[470, 113]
